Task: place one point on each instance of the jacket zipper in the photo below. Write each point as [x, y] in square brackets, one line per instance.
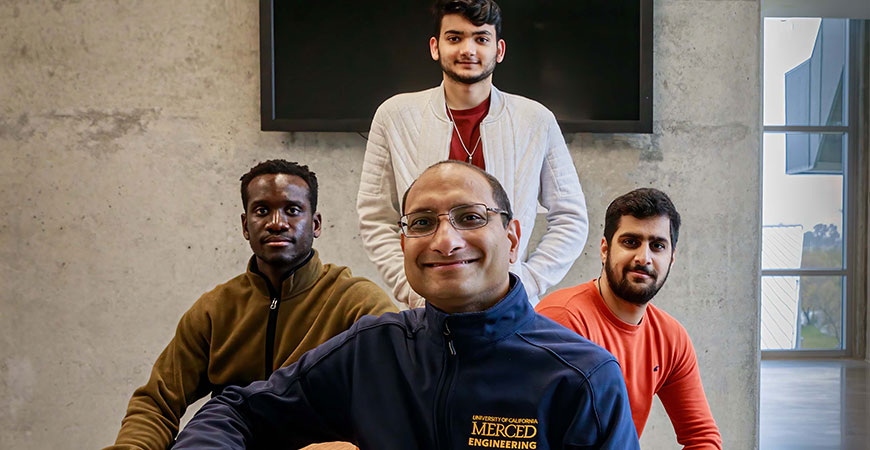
[270, 334]
[441, 416]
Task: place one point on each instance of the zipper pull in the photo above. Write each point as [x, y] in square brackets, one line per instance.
[446, 332]
[274, 303]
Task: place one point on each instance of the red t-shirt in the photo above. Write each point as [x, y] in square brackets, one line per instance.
[468, 122]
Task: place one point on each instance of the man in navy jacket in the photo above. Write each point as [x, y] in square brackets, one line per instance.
[475, 368]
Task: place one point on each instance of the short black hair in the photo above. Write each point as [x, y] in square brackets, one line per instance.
[478, 12]
[280, 166]
[498, 192]
[642, 203]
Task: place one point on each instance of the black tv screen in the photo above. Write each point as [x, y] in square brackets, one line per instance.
[327, 65]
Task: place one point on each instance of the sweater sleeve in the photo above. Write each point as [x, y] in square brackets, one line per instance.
[301, 404]
[604, 420]
[567, 224]
[685, 402]
[178, 379]
[563, 316]
[365, 298]
[378, 208]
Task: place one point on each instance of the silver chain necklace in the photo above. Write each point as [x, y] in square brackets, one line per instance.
[458, 135]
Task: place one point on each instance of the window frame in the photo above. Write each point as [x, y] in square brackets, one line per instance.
[853, 260]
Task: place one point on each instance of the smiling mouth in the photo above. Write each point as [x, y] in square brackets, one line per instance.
[458, 263]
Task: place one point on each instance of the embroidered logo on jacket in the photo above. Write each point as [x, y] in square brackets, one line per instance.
[503, 432]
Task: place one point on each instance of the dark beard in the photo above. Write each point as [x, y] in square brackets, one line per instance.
[487, 71]
[626, 291]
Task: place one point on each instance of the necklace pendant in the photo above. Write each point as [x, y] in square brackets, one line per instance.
[469, 159]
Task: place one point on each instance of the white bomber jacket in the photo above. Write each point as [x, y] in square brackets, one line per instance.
[523, 148]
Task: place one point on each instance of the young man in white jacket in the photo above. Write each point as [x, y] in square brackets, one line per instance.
[466, 118]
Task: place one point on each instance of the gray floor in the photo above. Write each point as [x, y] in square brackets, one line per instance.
[815, 405]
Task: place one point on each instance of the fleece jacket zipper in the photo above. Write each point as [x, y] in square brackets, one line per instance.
[442, 419]
[270, 330]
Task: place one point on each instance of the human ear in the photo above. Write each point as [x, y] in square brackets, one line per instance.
[513, 235]
[317, 221]
[433, 48]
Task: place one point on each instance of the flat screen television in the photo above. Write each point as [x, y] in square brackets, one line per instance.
[327, 65]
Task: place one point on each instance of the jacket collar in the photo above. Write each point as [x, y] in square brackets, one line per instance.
[438, 104]
[471, 330]
[300, 279]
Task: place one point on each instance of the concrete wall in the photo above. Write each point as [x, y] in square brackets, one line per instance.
[864, 183]
[124, 127]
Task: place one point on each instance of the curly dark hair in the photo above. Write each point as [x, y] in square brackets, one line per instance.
[642, 203]
[280, 166]
[478, 12]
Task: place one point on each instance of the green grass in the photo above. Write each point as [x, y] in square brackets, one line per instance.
[811, 337]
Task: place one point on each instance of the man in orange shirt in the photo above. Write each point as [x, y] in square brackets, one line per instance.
[654, 351]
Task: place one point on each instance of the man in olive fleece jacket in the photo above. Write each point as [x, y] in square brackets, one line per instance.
[285, 304]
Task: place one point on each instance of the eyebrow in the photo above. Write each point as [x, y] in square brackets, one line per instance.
[473, 33]
[419, 210]
[640, 236]
[456, 205]
[258, 202]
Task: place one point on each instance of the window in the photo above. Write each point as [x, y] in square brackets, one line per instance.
[808, 170]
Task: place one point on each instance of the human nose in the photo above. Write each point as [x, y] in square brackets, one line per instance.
[446, 240]
[468, 47]
[643, 256]
[278, 222]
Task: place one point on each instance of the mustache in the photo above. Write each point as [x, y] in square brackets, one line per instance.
[638, 268]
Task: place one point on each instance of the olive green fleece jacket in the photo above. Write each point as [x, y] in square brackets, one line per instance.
[221, 340]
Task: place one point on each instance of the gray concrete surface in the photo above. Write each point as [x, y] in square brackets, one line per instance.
[864, 168]
[124, 127]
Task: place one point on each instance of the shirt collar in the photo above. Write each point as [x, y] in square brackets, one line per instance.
[300, 278]
[437, 103]
[470, 330]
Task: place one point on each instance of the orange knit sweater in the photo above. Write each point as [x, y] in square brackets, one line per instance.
[656, 357]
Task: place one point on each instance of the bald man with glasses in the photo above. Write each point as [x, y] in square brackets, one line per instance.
[475, 368]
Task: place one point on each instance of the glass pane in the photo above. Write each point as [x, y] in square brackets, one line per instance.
[802, 313]
[805, 71]
[802, 201]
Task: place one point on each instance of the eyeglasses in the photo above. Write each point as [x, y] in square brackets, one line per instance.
[462, 217]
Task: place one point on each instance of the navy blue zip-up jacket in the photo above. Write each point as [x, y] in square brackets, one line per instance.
[423, 379]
